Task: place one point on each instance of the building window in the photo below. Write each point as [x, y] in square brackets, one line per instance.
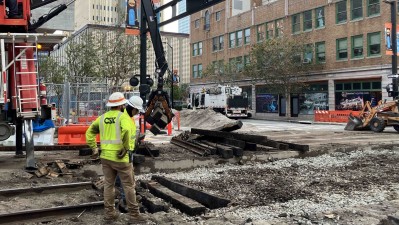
[296, 23]
[195, 71]
[195, 49]
[356, 9]
[239, 38]
[261, 32]
[374, 44]
[270, 30]
[200, 48]
[307, 20]
[93, 17]
[196, 24]
[215, 44]
[373, 7]
[320, 20]
[93, 6]
[321, 52]
[112, 20]
[221, 42]
[308, 54]
[341, 11]
[239, 64]
[218, 15]
[199, 70]
[207, 20]
[232, 63]
[357, 46]
[246, 60]
[279, 28]
[342, 48]
[247, 33]
[232, 40]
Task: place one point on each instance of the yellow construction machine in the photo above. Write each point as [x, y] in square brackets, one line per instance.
[376, 118]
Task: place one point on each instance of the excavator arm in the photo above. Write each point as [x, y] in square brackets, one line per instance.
[159, 112]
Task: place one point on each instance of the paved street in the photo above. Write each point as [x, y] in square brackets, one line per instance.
[266, 125]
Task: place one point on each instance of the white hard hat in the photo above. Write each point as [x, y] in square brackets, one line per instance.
[136, 102]
[116, 99]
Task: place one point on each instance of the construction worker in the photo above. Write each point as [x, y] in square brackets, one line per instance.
[117, 132]
[13, 9]
[134, 106]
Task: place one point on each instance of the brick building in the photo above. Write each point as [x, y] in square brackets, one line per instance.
[347, 36]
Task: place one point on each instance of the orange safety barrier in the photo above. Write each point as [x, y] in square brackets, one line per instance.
[338, 116]
[73, 135]
[141, 123]
[87, 119]
[321, 116]
[169, 128]
[178, 120]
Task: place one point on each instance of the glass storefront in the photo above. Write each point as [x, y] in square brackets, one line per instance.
[316, 98]
[266, 102]
[248, 90]
[353, 95]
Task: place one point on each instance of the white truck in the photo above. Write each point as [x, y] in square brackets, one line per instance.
[228, 100]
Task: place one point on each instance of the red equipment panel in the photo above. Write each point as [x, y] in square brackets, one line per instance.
[26, 77]
[4, 21]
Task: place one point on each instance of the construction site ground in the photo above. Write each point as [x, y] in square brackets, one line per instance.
[347, 177]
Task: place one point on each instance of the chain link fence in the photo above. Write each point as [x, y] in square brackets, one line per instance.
[81, 102]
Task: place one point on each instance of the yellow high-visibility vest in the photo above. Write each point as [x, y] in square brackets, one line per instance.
[116, 130]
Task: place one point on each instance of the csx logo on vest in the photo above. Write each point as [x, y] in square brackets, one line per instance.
[109, 120]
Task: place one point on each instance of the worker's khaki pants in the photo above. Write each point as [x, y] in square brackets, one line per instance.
[125, 172]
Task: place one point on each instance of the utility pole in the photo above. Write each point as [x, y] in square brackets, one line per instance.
[394, 75]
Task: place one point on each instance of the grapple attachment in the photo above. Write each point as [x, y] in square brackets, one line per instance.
[159, 112]
[354, 123]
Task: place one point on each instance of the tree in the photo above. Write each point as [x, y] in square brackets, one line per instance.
[224, 72]
[51, 71]
[280, 63]
[119, 56]
[82, 58]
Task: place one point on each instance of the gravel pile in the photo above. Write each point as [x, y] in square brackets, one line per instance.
[203, 119]
[307, 188]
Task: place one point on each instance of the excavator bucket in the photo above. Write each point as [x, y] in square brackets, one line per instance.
[354, 123]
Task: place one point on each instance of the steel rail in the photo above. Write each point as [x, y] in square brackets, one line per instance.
[17, 191]
[20, 216]
[191, 147]
[47, 148]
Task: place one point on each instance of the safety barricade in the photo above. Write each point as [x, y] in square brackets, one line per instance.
[87, 119]
[73, 135]
[339, 116]
[321, 116]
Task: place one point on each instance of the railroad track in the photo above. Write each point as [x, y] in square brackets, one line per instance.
[46, 212]
[46, 148]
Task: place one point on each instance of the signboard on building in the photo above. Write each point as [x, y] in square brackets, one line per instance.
[388, 39]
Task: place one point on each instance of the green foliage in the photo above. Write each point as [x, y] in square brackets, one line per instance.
[278, 63]
[82, 58]
[118, 55]
[221, 72]
[51, 71]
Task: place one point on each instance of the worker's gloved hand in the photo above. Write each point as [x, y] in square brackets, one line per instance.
[94, 154]
[122, 153]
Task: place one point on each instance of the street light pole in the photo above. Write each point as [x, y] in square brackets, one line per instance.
[394, 48]
[171, 89]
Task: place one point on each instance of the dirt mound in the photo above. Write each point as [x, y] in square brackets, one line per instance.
[203, 119]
